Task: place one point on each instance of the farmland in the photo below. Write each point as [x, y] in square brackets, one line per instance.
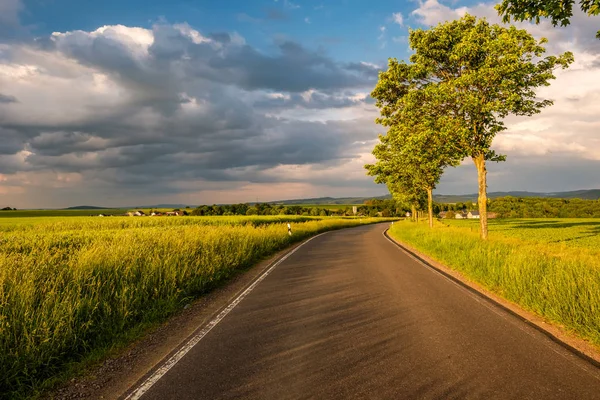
[547, 266]
[70, 287]
[570, 232]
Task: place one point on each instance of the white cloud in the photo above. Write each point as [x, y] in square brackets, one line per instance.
[398, 18]
[431, 12]
[307, 20]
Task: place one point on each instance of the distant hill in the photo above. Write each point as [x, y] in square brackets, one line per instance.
[161, 206]
[330, 200]
[87, 208]
[592, 194]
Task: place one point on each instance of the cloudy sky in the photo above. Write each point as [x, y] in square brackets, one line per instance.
[145, 101]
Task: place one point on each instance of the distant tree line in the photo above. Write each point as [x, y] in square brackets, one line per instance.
[533, 207]
[371, 208]
[529, 207]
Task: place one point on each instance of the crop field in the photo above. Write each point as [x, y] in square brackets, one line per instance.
[73, 286]
[548, 266]
[572, 232]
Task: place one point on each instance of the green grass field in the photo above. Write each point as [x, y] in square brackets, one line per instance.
[579, 232]
[548, 266]
[72, 287]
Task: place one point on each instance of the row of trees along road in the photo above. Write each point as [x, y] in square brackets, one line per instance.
[449, 102]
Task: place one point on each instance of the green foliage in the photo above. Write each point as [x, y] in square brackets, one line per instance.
[305, 209]
[559, 11]
[485, 72]
[532, 207]
[76, 285]
[553, 280]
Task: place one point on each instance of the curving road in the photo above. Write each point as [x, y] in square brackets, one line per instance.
[349, 315]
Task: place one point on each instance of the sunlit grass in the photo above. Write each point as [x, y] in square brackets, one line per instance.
[542, 272]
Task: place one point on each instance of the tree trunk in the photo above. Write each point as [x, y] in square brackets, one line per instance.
[413, 213]
[430, 206]
[482, 199]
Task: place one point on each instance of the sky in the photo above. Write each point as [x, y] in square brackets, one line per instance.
[116, 103]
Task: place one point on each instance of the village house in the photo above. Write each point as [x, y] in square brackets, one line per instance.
[460, 215]
[137, 213]
[473, 215]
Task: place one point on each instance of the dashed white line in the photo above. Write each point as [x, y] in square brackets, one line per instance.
[160, 372]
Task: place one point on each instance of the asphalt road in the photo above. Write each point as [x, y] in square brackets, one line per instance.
[349, 315]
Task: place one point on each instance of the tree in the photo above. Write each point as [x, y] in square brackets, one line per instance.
[482, 73]
[411, 161]
[559, 11]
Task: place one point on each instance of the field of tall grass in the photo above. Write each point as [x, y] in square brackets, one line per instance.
[70, 287]
[549, 267]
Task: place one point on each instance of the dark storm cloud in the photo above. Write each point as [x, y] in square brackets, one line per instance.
[367, 70]
[7, 99]
[11, 142]
[314, 100]
[294, 69]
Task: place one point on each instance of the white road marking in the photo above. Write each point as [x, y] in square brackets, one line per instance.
[160, 372]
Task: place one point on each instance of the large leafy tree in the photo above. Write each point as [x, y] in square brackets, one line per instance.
[474, 74]
[559, 11]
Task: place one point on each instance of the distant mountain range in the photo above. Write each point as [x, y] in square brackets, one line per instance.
[592, 194]
[330, 200]
[87, 208]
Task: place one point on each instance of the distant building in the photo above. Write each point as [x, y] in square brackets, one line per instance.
[473, 215]
[461, 215]
[442, 214]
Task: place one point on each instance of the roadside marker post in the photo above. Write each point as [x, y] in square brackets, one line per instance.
[289, 229]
